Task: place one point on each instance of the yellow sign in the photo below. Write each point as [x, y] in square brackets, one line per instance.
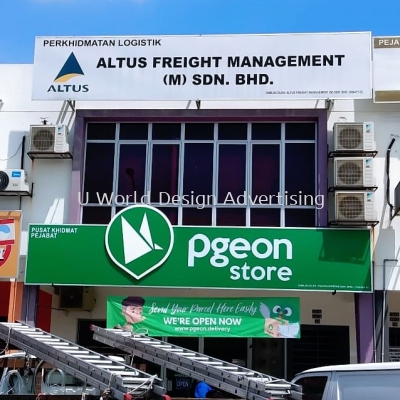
[10, 236]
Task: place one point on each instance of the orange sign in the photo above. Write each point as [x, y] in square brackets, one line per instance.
[10, 236]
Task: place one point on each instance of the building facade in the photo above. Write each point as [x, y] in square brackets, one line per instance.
[208, 166]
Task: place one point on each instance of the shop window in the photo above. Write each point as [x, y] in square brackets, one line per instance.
[132, 172]
[268, 356]
[232, 350]
[164, 174]
[166, 131]
[300, 131]
[230, 164]
[318, 345]
[197, 216]
[265, 216]
[295, 217]
[200, 131]
[198, 169]
[231, 172]
[99, 171]
[265, 173]
[85, 337]
[171, 213]
[300, 173]
[138, 131]
[266, 131]
[96, 215]
[232, 131]
[103, 131]
[231, 216]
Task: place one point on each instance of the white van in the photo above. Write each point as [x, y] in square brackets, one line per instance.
[373, 381]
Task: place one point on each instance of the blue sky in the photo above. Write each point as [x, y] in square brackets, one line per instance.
[22, 20]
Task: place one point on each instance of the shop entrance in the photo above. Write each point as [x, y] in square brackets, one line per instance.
[319, 345]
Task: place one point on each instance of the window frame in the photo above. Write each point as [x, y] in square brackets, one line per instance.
[248, 179]
[329, 386]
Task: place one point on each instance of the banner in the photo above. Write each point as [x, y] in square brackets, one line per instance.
[140, 248]
[10, 231]
[386, 76]
[206, 67]
[277, 317]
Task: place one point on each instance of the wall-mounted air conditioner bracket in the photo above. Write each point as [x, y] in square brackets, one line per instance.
[68, 104]
[352, 153]
[39, 155]
[352, 188]
[352, 224]
[22, 193]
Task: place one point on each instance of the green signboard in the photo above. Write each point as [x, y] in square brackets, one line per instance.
[140, 248]
[277, 317]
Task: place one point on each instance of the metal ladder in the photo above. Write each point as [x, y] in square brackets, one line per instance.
[231, 378]
[115, 379]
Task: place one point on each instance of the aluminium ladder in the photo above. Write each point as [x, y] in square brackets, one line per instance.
[114, 379]
[231, 378]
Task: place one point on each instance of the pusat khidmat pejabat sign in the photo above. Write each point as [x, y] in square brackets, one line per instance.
[264, 317]
[139, 247]
[206, 67]
[10, 232]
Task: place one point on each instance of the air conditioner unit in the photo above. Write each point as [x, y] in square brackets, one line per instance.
[354, 206]
[75, 298]
[13, 180]
[354, 136]
[354, 172]
[49, 139]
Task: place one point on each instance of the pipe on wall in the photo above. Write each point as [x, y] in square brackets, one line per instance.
[384, 301]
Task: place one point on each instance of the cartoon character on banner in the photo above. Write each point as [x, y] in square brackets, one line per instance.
[277, 322]
[7, 239]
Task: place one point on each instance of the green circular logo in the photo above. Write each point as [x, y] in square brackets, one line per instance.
[139, 239]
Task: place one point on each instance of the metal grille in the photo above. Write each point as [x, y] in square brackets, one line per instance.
[394, 354]
[351, 206]
[350, 138]
[43, 140]
[350, 172]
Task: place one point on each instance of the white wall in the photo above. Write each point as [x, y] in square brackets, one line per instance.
[386, 119]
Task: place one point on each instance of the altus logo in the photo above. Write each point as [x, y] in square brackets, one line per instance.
[139, 239]
[69, 70]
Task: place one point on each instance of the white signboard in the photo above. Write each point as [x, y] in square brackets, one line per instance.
[386, 76]
[266, 67]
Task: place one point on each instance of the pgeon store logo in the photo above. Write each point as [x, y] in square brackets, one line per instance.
[69, 70]
[139, 239]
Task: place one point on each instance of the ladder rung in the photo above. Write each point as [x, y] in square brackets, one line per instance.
[74, 352]
[198, 358]
[112, 367]
[135, 379]
[88, 357]
[143, 388]
[128, 373]
[245, 373]
[95, 362]
[212, 362]
[226, 368]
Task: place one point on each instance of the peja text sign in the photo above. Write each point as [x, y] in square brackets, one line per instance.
[210, 67]
[139, 247]
[264, 317]
[386, 76]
